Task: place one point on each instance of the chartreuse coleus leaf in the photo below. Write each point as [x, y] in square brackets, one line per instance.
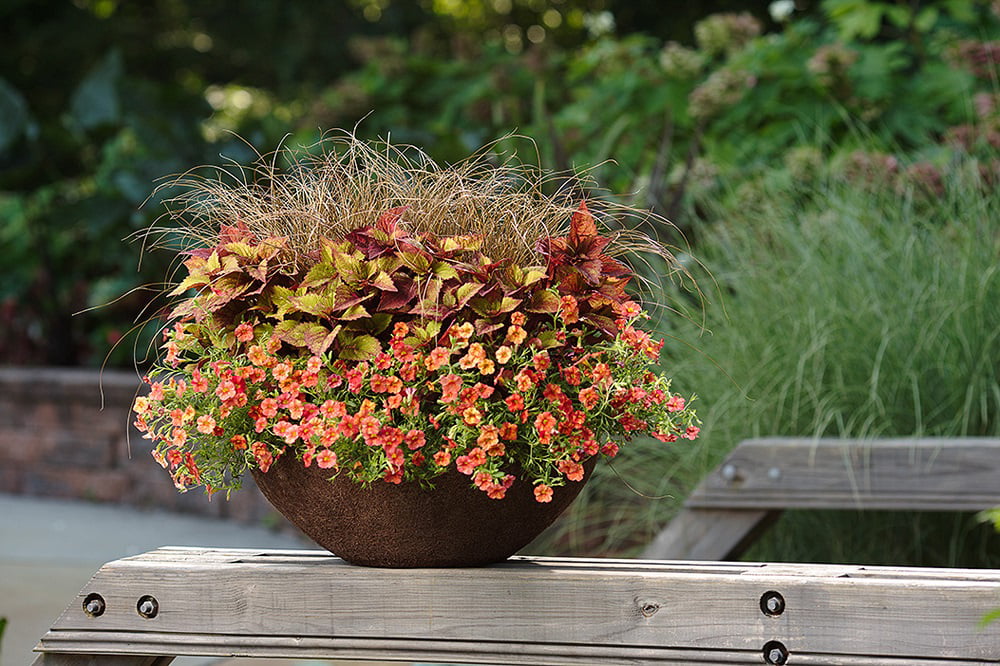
[468, 243]
[423, 332]
[544, 301]
[417, 262]
[242, 249]
[467, 291]
[357, 347]
[320, 274]
[444, 270]
[314, 336]
[494, 306]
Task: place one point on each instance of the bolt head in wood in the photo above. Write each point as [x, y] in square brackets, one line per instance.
[94, 605]
[728, 472]
[147, 607]
[772, 603]
[775, 653]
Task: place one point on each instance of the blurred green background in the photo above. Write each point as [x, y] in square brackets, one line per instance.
[831, 169]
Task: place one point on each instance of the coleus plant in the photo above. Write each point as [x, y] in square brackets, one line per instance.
[393, 355]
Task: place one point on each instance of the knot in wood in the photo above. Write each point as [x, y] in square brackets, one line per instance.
[648, 608]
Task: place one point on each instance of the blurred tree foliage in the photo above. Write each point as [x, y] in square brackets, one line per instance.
[100, 98]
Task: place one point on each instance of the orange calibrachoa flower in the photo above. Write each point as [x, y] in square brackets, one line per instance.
[388, 355]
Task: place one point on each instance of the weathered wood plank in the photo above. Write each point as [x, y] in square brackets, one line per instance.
[910, 474]
[709, 534]
[530, 611]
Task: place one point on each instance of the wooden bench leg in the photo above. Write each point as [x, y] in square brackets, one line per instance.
[56, 659]
[709, 534]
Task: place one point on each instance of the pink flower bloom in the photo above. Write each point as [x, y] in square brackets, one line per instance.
[543, 493]
[691, 432]
[326, 459]
[675, 404]
[206, 424]
[156, 391]
[198, 382]
[269, 407]
[244, 332]
[414, 439]
[226, 390]
[450, 387]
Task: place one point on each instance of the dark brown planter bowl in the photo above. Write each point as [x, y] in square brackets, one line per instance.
[405, 526]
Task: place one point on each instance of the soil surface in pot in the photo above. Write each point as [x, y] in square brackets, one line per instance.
[406, 526]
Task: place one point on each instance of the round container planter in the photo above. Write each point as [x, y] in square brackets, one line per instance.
[406, 526]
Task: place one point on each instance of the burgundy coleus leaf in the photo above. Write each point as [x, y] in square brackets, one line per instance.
[388, 220]
[367, 243]
[403, 299]
[486, 326]
[614, 268]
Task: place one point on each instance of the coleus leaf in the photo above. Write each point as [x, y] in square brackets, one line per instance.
[388, 220]
[357, 347]
[494, 306]
[543, 301]
[418, 262]
[229, 233]
[356, 311]
[486, 326]
[466, 292]
[189, 282]
[444, 270]
[382, 282]
[469, 243]
[320, 274]
[582, 224]
[241, 249]
[314, 336]
[314, 303]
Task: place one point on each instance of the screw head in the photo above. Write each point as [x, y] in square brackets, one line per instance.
[728, 471]
[772, 603]
[147, 607]
[94, 605]
[774, 473]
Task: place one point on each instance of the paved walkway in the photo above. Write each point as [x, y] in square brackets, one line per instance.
[49, 549]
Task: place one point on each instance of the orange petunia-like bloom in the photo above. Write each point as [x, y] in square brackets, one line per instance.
[569, 309]
[437, 358]
[451, 385]
[516, 335]
[543, 493]
[572, 470]
[503, 354]
[472, 416]
[244, 332]
[326, 459]
[589, 397]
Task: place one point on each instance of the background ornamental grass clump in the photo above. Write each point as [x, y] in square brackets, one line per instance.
[374, 315]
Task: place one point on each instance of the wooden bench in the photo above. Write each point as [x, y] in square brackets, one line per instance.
[144, 610]
[763, 477]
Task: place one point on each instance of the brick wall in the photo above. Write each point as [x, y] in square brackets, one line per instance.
[58, 440]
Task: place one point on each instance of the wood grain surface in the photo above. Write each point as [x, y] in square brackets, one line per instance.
[308, 604]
